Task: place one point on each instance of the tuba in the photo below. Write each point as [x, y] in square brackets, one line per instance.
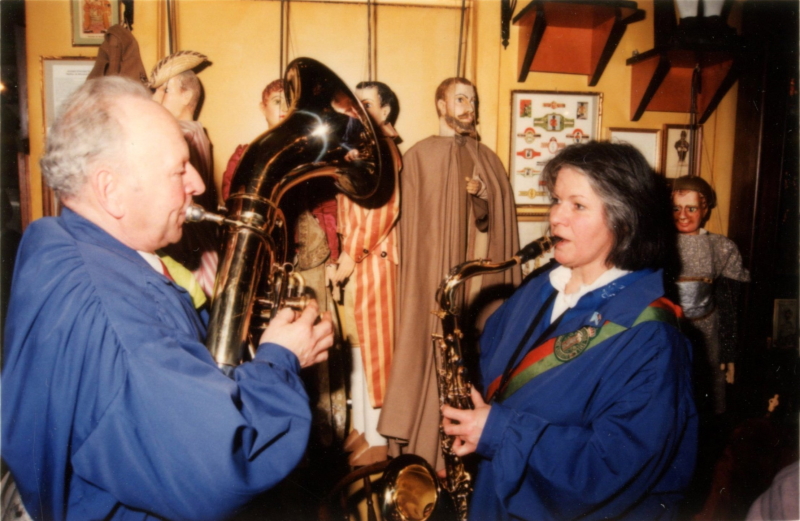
[449, 501]
[326, 133]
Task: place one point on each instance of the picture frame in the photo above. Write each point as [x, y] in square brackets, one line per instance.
[645, 140]
[61, 76]
[784, 324]
[542, 123]
[675, 158]
[91, 19]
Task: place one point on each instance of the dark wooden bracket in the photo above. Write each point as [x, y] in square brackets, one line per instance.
[572, 36]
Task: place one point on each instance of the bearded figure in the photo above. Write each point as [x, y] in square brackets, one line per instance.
[457, 204]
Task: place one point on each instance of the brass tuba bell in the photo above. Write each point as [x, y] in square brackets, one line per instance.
[326, 133]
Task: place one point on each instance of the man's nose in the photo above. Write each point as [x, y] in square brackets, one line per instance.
[192, 181]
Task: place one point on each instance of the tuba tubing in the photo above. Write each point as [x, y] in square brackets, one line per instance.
[326, 133]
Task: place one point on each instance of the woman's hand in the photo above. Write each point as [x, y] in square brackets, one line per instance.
[466, 425]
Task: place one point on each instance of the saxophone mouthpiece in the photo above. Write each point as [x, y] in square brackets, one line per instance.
[538, 247]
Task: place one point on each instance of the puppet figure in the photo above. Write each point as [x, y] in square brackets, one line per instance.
[178, 90]
[709, 288]
[367, 273]
[457, 204]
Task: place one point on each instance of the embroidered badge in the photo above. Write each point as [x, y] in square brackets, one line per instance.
[571, 345]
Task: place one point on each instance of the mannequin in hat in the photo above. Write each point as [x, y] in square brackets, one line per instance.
[178, 90]
[709, 286]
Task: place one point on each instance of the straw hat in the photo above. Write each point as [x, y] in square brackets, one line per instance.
[173, 65]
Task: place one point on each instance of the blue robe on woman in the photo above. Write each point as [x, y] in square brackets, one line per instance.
[609, 434]
[112, 407]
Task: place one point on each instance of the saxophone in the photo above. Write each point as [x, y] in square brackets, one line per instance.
[408, 472]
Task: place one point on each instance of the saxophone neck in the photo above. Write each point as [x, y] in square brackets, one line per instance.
[464, 272]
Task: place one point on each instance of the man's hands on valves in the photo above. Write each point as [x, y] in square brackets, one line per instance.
[306, 334]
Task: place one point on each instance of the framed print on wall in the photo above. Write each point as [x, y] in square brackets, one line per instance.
[645, 140]
[61, 77]
[677, 150]
[542, 123]
[91, 19]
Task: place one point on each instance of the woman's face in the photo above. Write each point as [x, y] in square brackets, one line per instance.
[577, 216]
[687, 212]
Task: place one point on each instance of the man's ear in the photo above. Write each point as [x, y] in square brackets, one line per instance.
[108, 189]
[441, 107]
[263, 107]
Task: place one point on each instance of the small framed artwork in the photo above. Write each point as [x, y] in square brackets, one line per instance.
[542, 123]
[61, 77]
[784, 324]
[645, 140]
[91, 19]
[680, 150]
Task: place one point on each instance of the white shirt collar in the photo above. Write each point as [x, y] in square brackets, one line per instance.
[153, 260]
[559, 278]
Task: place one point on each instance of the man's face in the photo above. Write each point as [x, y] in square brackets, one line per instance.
[687, 212]
[171, 96]
[274, 108]
[157, 181]
[371, 100]
[459, 105]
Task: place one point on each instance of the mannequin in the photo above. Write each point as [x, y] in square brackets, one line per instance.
[367, 273]
[709, 286]
[178, 89]
[457, 204]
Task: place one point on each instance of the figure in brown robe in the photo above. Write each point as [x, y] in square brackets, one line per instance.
[457, 204]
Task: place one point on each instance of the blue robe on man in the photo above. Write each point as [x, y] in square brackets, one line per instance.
[112, 407]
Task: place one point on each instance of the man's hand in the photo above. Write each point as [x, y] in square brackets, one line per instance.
[299, 333]
[466, 425]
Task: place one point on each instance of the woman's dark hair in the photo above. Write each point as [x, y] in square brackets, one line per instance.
[388, 97]
[635, 199]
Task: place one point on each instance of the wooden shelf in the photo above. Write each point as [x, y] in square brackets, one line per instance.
[572, 36]
[661, 79]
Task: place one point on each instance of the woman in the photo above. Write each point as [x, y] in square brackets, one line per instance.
[598, 420]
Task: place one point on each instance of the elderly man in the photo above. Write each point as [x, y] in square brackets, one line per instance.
[112, 407]
[456, 205]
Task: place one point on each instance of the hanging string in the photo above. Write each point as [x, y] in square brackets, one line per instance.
[171, 27]
[369, 40]
[461, 37]
[281, 63]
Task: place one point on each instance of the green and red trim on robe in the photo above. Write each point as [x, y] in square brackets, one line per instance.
[564, 348]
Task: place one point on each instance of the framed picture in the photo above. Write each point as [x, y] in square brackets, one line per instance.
[646, 140]
[784, 323]
[61, 77]
[91, 19]
[677, 150]
[542, 123]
